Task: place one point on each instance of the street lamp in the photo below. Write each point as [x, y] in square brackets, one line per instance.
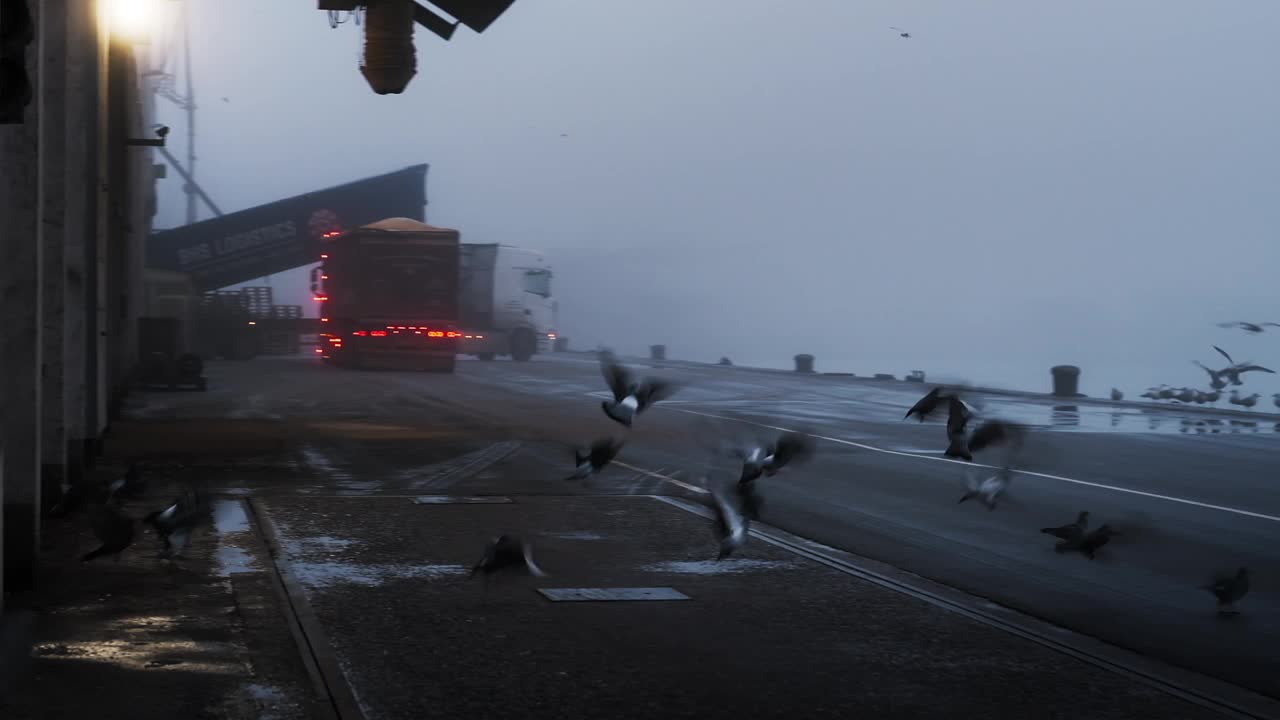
[131, 20]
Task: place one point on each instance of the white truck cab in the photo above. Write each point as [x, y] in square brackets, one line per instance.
[506, 305]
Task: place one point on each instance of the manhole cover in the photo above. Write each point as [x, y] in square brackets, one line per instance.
[596, 594]
[460, 499]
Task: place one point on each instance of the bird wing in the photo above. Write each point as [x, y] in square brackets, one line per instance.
[793, 448]
[615, 375]
[1224, 354]
[957, 415]
[654, 390]
[1206, 368]
[1271, 324]
[922, 403]
[989, 433]
[1228, 324]
[1259, 368]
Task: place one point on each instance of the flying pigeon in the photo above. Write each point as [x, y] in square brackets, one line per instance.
[630, 398]
[1087, 543]
[174, 524]
[1071, 531]
[507, 553]
[1248, 326]
[730, 525]
[113, 529]
[957, 419]
[900, 31]
[769, 458]
[987, 491]
[925, 405]
[1229, 590]
[602, 452]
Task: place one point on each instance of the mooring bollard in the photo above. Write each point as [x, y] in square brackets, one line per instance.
[657, 352]
[804, 363]
[1066, 380]
[561, 344]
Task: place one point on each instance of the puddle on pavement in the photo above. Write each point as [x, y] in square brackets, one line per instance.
[230, 520]
[717, 567]
[317, 544]
[320, 575]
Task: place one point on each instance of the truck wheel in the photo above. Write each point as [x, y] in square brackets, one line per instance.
[487, 357]
[523, 345]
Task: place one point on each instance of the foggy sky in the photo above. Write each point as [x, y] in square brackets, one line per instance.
[1017, 185]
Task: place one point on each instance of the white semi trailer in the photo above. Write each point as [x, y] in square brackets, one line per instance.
[505, 302]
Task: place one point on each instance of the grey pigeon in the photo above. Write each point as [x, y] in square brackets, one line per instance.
[769, 458]
[175, 523]
[1087, 543]
[602, 452]
[957, 420]
[507, 553]
[1072, 530]
[1229, 590]
[630, 397]
[730, 524]
[925, 405]
[987, 491]
[113, 529]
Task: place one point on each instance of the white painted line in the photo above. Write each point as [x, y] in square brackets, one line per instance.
[1059, 478]
[661, 476]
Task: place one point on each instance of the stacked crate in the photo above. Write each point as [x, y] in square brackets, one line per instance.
[283, 330]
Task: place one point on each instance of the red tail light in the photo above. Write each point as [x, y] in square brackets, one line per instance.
[360, 333]
[453, 334]
[379, 333]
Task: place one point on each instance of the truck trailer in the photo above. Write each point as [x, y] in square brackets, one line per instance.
[505, 302]
[389, 296]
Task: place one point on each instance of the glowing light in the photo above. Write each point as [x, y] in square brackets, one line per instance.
[253, 322]
[324, 319]
[379, 333]
[360, 333]
[133, 20]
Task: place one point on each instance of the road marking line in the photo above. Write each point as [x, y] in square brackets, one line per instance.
[1060, 478]
[661, 476]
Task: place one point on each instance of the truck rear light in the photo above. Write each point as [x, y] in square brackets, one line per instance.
[319, 350]
[360, 333]
[453, 334]
[379, 333]
[320, 298]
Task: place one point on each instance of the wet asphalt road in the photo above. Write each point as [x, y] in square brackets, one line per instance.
[1189, 502]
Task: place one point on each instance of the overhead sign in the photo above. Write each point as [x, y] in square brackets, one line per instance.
[284, 234]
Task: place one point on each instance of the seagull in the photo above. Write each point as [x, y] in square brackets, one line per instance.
[1071, 531]
[1233, 373]
[730, 525]
[957, 419]
[1087, 543]
[113, 529]
[901, 32]
[925, 405]
[768, 459]
[1185, 395]
[1116, 395]
[1229, 590]
[1254, 328]
[630, 398]
[507, 553]
[1212, 397]
[174, 524]
[602, 452]
[1215, 376]
[1249, 401]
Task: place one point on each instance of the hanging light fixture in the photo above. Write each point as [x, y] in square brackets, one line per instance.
[390, 61]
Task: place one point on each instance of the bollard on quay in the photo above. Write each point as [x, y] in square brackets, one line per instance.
[804, 363]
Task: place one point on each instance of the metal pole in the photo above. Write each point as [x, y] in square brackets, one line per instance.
[191, 117]
[194, 189]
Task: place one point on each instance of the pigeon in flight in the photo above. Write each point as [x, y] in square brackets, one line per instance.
[926, 405]
[602, 452]
[900, 31]
[113, 529]
[630, 398]
[1070, 531]
[1087, 543]
[767, 459]
[1229, 590]
[1215, 376]
[1233, 373]
[730, 524]
[957, 419]
[1249, 327]
[987, 491]
[174, 524]
[507, 553]
[130, 484]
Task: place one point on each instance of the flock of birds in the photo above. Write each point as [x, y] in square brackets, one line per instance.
[1219, 379]
[737, 506]
[173, 524]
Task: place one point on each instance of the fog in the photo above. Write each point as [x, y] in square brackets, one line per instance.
[1015, 186]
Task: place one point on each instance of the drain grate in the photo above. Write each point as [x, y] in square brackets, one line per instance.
[597, 594]
[461, 499]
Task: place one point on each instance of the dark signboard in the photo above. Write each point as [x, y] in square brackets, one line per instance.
[284, 234]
